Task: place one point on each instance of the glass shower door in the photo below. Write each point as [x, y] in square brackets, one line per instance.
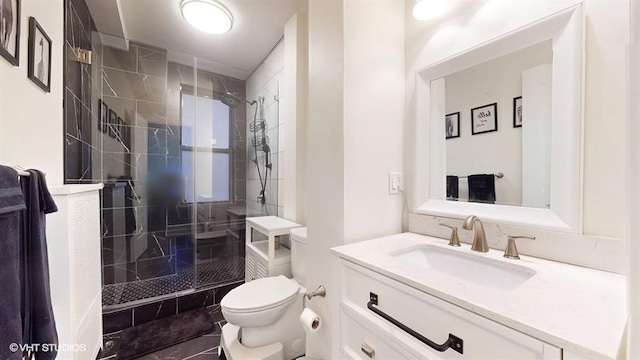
[213, 155]
[172, 157]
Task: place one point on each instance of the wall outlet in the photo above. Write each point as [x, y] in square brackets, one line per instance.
[396, 182]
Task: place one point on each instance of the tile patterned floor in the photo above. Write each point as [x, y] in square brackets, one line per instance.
[201, 348]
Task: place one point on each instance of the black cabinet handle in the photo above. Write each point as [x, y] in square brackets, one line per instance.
[453, 342]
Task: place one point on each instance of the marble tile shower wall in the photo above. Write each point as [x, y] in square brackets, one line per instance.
[83, 160]
[266, 82]
[136, 245]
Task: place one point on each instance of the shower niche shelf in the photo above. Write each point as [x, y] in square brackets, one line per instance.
[262, 257]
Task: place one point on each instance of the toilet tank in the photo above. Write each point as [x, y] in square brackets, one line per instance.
[298, 255]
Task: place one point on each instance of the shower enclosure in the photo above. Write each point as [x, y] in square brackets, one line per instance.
[177, 146]
[175, 176]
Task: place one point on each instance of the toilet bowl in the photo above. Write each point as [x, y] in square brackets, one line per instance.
[266, 311]
[244, 309]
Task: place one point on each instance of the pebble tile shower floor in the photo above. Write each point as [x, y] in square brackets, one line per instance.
[209, 273]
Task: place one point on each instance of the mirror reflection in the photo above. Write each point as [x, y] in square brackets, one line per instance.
[498, 129]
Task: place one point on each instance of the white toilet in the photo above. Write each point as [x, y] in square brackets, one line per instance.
[263, 315]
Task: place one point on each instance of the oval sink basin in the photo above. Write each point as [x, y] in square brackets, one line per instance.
[484, 271]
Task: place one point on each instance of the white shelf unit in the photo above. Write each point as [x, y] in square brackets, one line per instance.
[262, 258]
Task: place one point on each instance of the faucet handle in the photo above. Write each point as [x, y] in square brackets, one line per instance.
[511, 251]
[453, 240]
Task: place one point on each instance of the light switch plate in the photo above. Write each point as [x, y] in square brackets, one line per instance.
[396, 182]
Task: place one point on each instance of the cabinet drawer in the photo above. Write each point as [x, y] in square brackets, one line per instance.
[432, 318]
[363, 340]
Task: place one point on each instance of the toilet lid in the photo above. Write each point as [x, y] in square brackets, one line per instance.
[260, 294]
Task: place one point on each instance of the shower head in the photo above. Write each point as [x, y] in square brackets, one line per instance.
[233, 100]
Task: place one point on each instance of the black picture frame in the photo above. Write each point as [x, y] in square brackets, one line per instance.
[113, 123]
[36, 70]
[484, 119]
[12, 36]
[103, 116]
[121, 130]
[452, 125]
[517, 112]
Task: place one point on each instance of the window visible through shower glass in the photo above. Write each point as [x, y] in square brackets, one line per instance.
[205, 132]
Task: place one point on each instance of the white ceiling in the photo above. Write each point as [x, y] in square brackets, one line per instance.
[258, 26]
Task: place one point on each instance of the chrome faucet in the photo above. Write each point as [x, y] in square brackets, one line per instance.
[479, 237]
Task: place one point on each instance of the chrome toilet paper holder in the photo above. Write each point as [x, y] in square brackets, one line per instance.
[320, 291]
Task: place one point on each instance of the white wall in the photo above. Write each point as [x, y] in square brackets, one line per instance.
[294, 109]
[607, 33]
[633, 226]
[31, 122]
[267, 81]
[373, 116]
[355, 134]
[325, 157]
[536, 136]
[497, 81]
[607, 27]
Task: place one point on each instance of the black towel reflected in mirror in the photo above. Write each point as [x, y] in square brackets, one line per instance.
[452, 187]
[482, 188]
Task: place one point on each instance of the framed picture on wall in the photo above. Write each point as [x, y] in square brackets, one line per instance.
[103, 116]
[39, 55]
[113, 123]
[10, 31]
[484, 119]
[452, 125]
[120, 130]
[517, 112]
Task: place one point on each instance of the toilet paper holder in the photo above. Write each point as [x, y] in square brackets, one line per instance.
[320, 291]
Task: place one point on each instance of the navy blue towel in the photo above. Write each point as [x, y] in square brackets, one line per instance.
[39, 203]
[10, 193]
[452, 187]
[11, 206]
[482, 188]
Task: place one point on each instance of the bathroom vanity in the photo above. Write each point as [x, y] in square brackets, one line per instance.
[397, 294]
[411, 296]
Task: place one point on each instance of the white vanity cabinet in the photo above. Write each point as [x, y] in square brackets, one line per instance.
[364, 334]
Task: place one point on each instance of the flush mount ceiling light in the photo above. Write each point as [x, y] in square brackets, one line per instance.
[207, 15]
[425, 10]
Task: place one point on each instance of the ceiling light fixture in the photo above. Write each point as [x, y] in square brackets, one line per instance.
[207, 15]
[425, 10]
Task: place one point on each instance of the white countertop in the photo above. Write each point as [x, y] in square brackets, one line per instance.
[580, 310]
